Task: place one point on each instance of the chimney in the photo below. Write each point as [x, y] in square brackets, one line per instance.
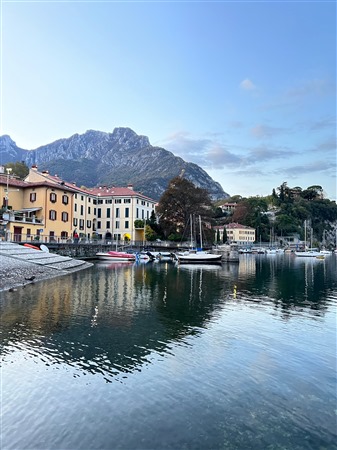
[34, 167]
[130, 186]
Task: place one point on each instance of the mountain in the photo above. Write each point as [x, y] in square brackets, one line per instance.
[118, 158]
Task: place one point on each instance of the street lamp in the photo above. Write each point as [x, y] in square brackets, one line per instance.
[9, 171]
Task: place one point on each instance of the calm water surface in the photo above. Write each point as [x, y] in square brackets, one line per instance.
[159, 356]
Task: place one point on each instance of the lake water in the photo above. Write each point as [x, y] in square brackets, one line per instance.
[159, 356]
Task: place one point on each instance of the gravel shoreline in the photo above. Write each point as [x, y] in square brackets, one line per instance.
[15, 273]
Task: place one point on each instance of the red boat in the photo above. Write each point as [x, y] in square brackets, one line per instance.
[116, 256]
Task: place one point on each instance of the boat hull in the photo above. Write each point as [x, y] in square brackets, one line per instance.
[308, 254]
[114, 256]
[194, 258]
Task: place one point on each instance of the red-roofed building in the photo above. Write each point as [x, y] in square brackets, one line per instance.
[240, 234]
[101, 210]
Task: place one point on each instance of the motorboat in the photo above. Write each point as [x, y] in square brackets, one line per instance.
[116, 256]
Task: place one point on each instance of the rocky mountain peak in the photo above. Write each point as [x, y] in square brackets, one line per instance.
[118, 158]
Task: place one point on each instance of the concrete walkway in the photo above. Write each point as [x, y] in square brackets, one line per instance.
[21, 265]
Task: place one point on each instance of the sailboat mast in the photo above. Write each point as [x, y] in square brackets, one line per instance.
[191, 231]
[200, 232]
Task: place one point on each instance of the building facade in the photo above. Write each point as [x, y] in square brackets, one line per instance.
[236, 233]
[44, 207]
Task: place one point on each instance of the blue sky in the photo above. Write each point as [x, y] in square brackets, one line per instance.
[246, 90]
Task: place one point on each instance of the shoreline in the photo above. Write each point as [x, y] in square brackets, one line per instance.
[16, 273]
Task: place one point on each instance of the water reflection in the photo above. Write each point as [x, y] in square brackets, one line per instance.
[115, 318]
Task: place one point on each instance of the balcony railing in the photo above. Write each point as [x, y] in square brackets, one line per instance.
[21, 218]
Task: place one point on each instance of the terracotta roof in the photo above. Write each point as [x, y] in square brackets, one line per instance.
[237, 225]
[102, 191]
[26, 184]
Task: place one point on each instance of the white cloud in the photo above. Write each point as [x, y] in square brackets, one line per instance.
[247, 85]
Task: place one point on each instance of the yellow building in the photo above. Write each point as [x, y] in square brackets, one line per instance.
[102, 211]
[35, 211]
[236, 233]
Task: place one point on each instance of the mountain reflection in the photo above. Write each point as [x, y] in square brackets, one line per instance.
[116, 318]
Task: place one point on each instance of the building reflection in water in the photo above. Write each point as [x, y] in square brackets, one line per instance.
[115, 318]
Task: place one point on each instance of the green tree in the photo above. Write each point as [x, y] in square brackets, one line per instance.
[224, 236]
[19, 169]
[181, 200]
[150, 234]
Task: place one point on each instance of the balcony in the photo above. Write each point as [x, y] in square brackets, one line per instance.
[23, 216]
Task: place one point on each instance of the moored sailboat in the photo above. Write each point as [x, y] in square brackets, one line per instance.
[198, 256]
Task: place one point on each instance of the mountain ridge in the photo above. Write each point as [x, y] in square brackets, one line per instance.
[118, 158]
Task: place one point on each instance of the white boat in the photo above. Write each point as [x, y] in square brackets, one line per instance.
[198, 256]
[308, 253]
[116, 256]
[325, 252]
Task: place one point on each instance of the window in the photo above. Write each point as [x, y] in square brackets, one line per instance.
[75, 222]
[117, 225]
[89, 209]
[81, 224]
[82, 198]
[107, 202]
[76, 196]
[32, 197]
[75, 207]
[64, 234]
[65, 199]
[137, 213]
[100, 202]
[82, 210]
[118, 200]
[108, 224]
[99, 225]
[127, 212]
[88, 223]
[53, 197]
[52, 214]
[108, 213]
[127, 200]
[89, 200]
[99, 212]
[28, 232]
[117, 213]
[64, 217]
[126, 224]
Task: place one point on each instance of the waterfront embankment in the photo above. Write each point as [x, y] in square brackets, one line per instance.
[20, 266]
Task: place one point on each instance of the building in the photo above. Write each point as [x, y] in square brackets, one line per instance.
[236, 233]
[241, 234]
[228, 207]
[35, 211]
[57, 209]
